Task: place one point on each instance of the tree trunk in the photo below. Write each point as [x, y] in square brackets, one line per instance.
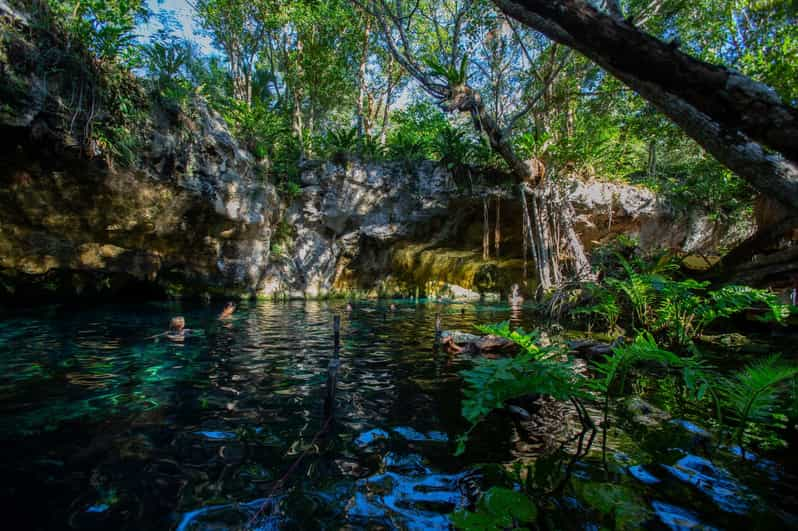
[297, 122]
[497, 233]
[529, 236]
[386, 110]
[727, 113]
[485, 229]
[361, 96]
[524, 233]
[465, 99]
[652, 159]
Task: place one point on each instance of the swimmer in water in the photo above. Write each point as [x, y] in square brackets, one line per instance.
[177, 329]
[393, 307]
[348, 307]
[227, 313]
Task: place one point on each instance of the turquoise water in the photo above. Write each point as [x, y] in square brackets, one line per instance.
[102, 428]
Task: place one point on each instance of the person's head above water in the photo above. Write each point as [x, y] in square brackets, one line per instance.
[177, 324]
[229, 308]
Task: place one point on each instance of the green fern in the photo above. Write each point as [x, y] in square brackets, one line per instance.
[339, 144]
[639, 289]
[679, 310]
[407, 146]
[614, 368]
[605, 305]
[752, 395]
[616, 365]
[537, 370]
[452, 148]
[370, 148]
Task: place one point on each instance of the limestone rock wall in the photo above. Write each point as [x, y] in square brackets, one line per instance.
[393, 228]
[190, 214]
[345, 212]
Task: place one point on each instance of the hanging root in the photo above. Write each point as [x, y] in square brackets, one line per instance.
[556, 249]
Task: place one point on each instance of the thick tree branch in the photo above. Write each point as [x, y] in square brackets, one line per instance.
[726, 112]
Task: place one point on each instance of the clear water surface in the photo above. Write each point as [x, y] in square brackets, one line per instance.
[103, 428]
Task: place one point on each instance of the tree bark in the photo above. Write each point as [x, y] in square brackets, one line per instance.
[652, 158]
[362, 121]
[497, 233]
[485, 229]
[386, 110]
[732, 116]
[465, 99]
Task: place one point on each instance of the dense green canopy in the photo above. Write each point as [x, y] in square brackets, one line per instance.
[374, 79]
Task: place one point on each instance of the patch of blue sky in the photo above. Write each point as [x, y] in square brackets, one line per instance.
[184, 15]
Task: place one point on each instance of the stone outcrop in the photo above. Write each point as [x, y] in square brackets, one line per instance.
[393, 228]
[605, 210]
[189, 213]
[347, 211]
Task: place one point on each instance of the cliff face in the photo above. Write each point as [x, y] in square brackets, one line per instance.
[71, 221]
[390, 228]
[188, 214]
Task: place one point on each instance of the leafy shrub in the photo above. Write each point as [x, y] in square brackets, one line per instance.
[452, 148]
[492, 382]
[499, 508]
[752, 395]
[603, 303]
[679, 310]
[340, 144]
[369, 148]
[106, 28]
[404, 145]
[415, 130]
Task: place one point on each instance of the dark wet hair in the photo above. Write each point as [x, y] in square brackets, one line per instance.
[230, 304]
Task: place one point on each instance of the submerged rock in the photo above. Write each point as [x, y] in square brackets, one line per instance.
[407, 501]
[715, 482]
[677, 517]
[369, 437]
[644, 413]
[460, 337]
[456, 341]
[733, 339]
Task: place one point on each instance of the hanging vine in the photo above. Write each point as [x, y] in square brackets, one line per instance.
[549, 233]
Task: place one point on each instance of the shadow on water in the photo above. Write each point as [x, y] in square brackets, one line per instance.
[102, 429]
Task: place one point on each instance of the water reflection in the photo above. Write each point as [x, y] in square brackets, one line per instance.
[95, 417]
[117, 432]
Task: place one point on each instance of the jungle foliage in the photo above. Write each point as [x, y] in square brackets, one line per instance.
[664, 314]
[747, 407]
[677, 310]
[291, 77]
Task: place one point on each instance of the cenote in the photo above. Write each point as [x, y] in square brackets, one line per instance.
[103, 428]
[386, 264]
